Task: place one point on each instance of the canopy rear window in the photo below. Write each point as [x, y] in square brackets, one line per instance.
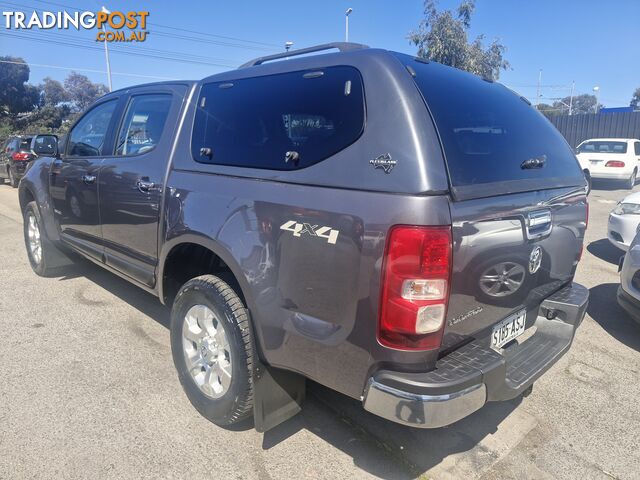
[494, 141]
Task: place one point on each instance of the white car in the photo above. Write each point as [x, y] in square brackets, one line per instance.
[624, 221]
[610, 159]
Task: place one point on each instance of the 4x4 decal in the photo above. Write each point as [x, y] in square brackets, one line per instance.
[328, 233]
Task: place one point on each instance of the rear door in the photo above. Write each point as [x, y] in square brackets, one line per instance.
[518, 206]
[132, 180]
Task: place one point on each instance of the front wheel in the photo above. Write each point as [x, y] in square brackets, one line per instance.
[212, 348]
[45, 259]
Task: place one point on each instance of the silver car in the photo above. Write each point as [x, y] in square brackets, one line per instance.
[623, 221]
[629, 289]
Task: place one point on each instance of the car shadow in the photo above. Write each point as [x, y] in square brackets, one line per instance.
[604, 309]
[608, 185]
[605, 251]
[377, 446]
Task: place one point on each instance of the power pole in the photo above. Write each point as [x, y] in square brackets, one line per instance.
[106, 51]
[538, 89]
[573, 86]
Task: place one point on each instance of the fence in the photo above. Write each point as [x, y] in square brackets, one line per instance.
[576, 128]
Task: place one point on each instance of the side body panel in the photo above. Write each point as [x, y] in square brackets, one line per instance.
[313, 303]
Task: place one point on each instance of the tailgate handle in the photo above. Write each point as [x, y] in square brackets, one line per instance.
[538, 224]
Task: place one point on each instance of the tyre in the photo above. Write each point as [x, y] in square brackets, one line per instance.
[632, 181]
[45, 259]
[587, 177]
[13, 181]
[213, 350]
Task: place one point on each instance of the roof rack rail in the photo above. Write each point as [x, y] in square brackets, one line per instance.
[342, 46]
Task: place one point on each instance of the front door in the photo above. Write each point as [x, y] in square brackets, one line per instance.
[131, 181]
[74, 179]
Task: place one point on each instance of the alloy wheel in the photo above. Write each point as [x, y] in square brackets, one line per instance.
[206, 351]
[33, 235]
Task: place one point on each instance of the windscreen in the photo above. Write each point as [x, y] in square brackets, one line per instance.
[601, 146]
[490, 135]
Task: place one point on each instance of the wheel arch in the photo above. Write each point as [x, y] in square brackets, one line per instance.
[229, 271]
[198, 244]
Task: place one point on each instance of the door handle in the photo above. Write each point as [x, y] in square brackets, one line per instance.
[88, 179]
[145, 186]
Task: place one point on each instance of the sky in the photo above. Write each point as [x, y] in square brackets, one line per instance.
[588, 42]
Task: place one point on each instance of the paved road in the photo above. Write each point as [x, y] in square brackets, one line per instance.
[88, 390]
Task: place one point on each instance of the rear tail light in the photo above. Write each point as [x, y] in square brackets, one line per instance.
[21, 157]
[614, 163]
[416, 281]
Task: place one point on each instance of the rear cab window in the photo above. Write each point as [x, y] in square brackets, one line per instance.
[494, 141]
[280, 122]
[25, 143]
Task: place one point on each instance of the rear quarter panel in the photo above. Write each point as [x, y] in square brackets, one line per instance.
[314, 304]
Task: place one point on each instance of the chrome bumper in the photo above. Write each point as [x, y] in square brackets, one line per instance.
[423, 411]
[465, 379]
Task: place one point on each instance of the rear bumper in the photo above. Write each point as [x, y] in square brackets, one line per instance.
[466, 379]
[19, 168]
[630, 304]
[610, 176]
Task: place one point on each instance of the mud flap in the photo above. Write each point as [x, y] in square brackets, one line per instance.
[278, 396]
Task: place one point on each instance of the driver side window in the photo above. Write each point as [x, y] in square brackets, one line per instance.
[88, 135]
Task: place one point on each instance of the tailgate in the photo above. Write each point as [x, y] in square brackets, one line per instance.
[509, 253]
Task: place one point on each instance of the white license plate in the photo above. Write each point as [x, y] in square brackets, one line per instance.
[595, 162]
[508, 329]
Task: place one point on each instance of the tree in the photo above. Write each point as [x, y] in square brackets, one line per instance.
[442, 37]
[53, 92]
[635, 99]
[584, 103]
[16, 96]
[81, 91]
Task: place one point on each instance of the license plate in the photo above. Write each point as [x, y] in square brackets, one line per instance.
[508, 329]
[595, 162]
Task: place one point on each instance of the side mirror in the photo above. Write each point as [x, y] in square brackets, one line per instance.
[45, 145]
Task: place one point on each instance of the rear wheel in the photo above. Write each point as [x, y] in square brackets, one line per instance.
[632, 180]
[13, 181]
[587, 177]
[212, 348]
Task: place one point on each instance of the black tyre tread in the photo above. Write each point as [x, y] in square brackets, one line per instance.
[244, 406]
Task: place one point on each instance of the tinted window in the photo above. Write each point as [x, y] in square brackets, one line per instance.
[488, 132]
[143, 124]
[261, 122]
[88, 135]
[637, 147]
[25, 143]
[603, 147]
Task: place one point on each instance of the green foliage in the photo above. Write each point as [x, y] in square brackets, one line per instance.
[635, 99]
[442, 37]
[16, 96]
[50, 107]
[81, 91]
[53, 92]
